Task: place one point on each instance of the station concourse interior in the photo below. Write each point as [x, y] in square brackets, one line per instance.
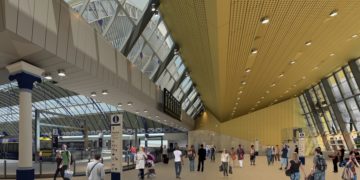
[110, 77]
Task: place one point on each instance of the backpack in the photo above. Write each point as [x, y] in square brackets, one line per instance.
[321, 163]
[191, 155]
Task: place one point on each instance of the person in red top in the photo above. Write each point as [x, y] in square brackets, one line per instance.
[133, 152]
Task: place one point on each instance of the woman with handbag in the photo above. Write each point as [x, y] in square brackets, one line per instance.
[293, 169]
[349, 170]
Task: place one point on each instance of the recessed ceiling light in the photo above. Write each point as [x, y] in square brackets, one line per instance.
[287, 91]
[273, 85]
[258, 102]
[333, 13]
[265, 20]
[104, 92]
[275, 100]
[240, 92]
[61, 73]
[234, 107]
[153, 7]
[119, 104]
[130, 103]
[145, 111]
[236, 103]
[243, 82]
[252, 108]
[294, 85]
[93, 94]
[308, 43]
[48, 76]
[165, 120]
[304, 77]
[262, 97]
[332, 54]
[355, 36]
[292, 62]
[254, 51]
[247, 70]
[281, 75]
[316, 67]
[267, 92]
[238, 98]
[157, 116]
[137, 112]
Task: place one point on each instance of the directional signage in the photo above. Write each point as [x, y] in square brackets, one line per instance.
[116, 146]
[301, 144]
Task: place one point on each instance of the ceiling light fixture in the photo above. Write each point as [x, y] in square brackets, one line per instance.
[119, 105]
[292, 62]
[130, 103]
[308, 43]
[332, 54]
[267, 92]
[153, 7]
[262, 97]
[265, 20]
[137, 112]
[238, 98]
[104, 92]
[236, 103]
[240, 92]
[157, 116]
[273, 85]
[258, 102]
[145, 111]
[61, 73]
[243, 82]
[333, 13]
[254, 51]
[48, 76]
[304, 77]
[355, 36]
[281, 75]
[93, 94]
[247, 70]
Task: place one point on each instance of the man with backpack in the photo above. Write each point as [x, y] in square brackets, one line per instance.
[319, 165]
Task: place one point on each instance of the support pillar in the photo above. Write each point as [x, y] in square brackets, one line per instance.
[116, 146]
[25, 74]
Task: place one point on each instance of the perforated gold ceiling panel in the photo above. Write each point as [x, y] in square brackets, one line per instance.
[217, 36]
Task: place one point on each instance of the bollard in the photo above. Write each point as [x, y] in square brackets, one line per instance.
[74, 167]
[5, 168]
[40, 167]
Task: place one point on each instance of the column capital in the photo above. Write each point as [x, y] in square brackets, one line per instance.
[25, 74]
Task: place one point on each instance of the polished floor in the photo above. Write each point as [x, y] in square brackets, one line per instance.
[259, 172]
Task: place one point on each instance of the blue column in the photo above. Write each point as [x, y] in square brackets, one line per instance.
[25, 170]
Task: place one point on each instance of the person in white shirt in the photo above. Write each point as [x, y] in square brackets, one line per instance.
[178, 161]
[95, 169]
[140, 161]
[225, 157]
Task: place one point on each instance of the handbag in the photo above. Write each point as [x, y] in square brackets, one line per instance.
[288, 172]
[68, 174]
[221, 168]
[347, 174]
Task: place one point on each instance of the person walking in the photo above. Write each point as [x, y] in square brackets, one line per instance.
[95, 170]
[335, 159]
[240, 153]
[165, 154]
[273, 153]
[277, 153]
[66, 160]
[201, 157]
[233, 157]
[284, 157]
[295, 166]
[319, 165]
[178, 161]
[191, 155]
[140, 159]
[225, 157]
[212, 152]
[342, 154]
[296, 149]
[252, 155]
[268, 153]
[352, 163]
[58, 163]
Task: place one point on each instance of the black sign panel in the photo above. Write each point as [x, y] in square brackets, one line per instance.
[55, 141]
[171, 105]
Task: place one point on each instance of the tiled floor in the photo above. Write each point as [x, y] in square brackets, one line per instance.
[259, 172]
